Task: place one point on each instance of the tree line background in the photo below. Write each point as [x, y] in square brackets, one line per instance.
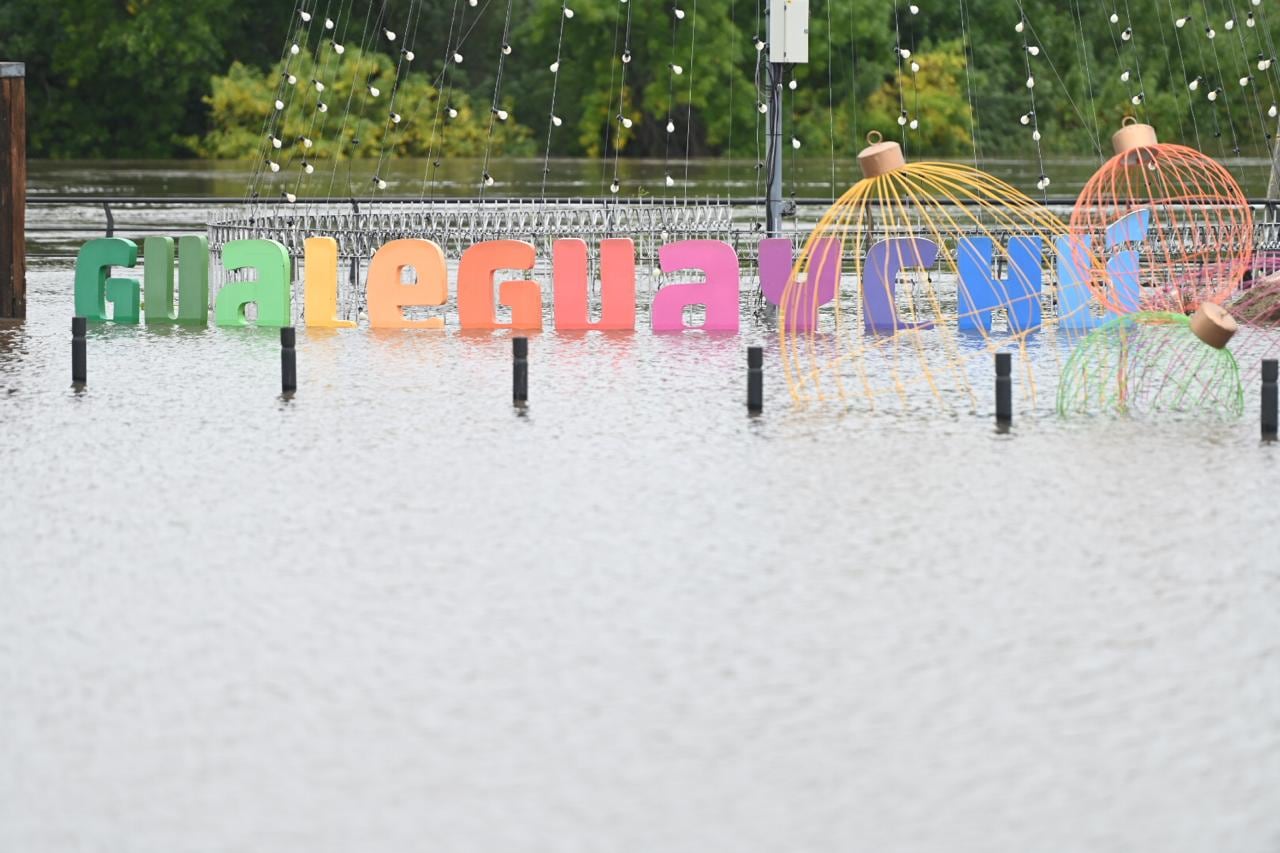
[175, 78]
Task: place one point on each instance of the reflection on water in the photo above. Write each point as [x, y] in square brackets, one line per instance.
[392, 610]
[804, 178]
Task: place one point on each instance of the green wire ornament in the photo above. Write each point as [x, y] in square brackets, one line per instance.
[1150, 362]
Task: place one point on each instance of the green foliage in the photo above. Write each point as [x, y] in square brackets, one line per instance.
[143, 78]
[243, 100]
[934, 96]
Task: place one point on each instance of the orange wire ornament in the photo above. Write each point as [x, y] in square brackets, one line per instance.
[1198, 239]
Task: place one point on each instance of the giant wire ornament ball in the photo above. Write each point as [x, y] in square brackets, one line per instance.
[1171, 223]
[936, 266]
[1152, 362]
[1256, 308]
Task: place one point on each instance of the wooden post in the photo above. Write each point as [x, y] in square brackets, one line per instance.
[13, 190]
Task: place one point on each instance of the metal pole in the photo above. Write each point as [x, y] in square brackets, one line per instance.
[520, 371]
[79, 352]
[1270, 416]
[13, 190]
[1004, 388]
[755, 380]
[288, 360]
[773, 155]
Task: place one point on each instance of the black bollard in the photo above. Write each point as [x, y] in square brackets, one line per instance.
[755, 380]
[79, 351]
[1270, 369]
[1004, 388]
[520, 371]
[288, 359]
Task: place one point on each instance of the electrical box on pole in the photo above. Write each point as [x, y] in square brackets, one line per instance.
[789, 31]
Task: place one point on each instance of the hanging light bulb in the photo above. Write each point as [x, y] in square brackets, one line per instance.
[679, 13]
[328, 23]
[453, 112]
[915, 68]
[389, 34]
[1182, 22]
[279, 104]
[1031, 82]
[502, 114]
[395, 118]
[755, 40]
[305, 140]
[626, 57]
[1244, 81]
[291, 79]
[273, 165]
[555, 66]
[1230, 24]
[914, 124]
[568, 13]
[1035, 135]
[1020, 26]
[556, 120]
[1043, 183]
[276, 142]
[1115, 19]
[615, 186]
[626, 122]
[1025, 119]
[1274, 111]
[676, 69]
[457, 58]
[671, 126]
[902, 119]
[473, 3]
[792, 84]
[1264, 64]
[1213, 96]
[322, 107]
[1210, 32]
[319, 86]
[408, 54]
[305, 15]
[904, 53]
[1127, 34]
[488, 179]
[339, 48]
[307, 167]
[379, 183]
[1137, 99]
[294, 49]
[1194, 84]
[506, 49]
[1034, 50]
[289, 197]
[671, 182]
[913, 9]
[795, 142]
[1124, 76]
[1249, 21]
[762, 107]
[374, 91]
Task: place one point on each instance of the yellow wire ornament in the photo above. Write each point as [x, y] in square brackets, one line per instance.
[910, 328]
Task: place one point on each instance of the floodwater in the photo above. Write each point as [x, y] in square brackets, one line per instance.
[396, 613]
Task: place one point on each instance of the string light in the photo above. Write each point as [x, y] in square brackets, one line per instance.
[795, 142]
[395, 118]
[554, 67]
[679, 13]
[273, 165]
[276, 142]
[319, 86]
[408, 54]
[305, 140]
[453, 112]
[791, 84]
[294, 49]
[671, 126]
[322, 107]
[307, 167]
[289, 197]
[279, 104]
[379, 183]
[676, 69]
[568, 13]
[671, 182]
[615, 186]
[626, 56]
[488, 179]
[457, 58]
[339, 48]
[556, 120]
[305, 15]
[328, 23]
[374, 91]
[291, 79]
[506, 49]
[501, 114]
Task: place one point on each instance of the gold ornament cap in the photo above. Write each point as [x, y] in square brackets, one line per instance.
[880, 157]
[1133, 135]
[1213, 325]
